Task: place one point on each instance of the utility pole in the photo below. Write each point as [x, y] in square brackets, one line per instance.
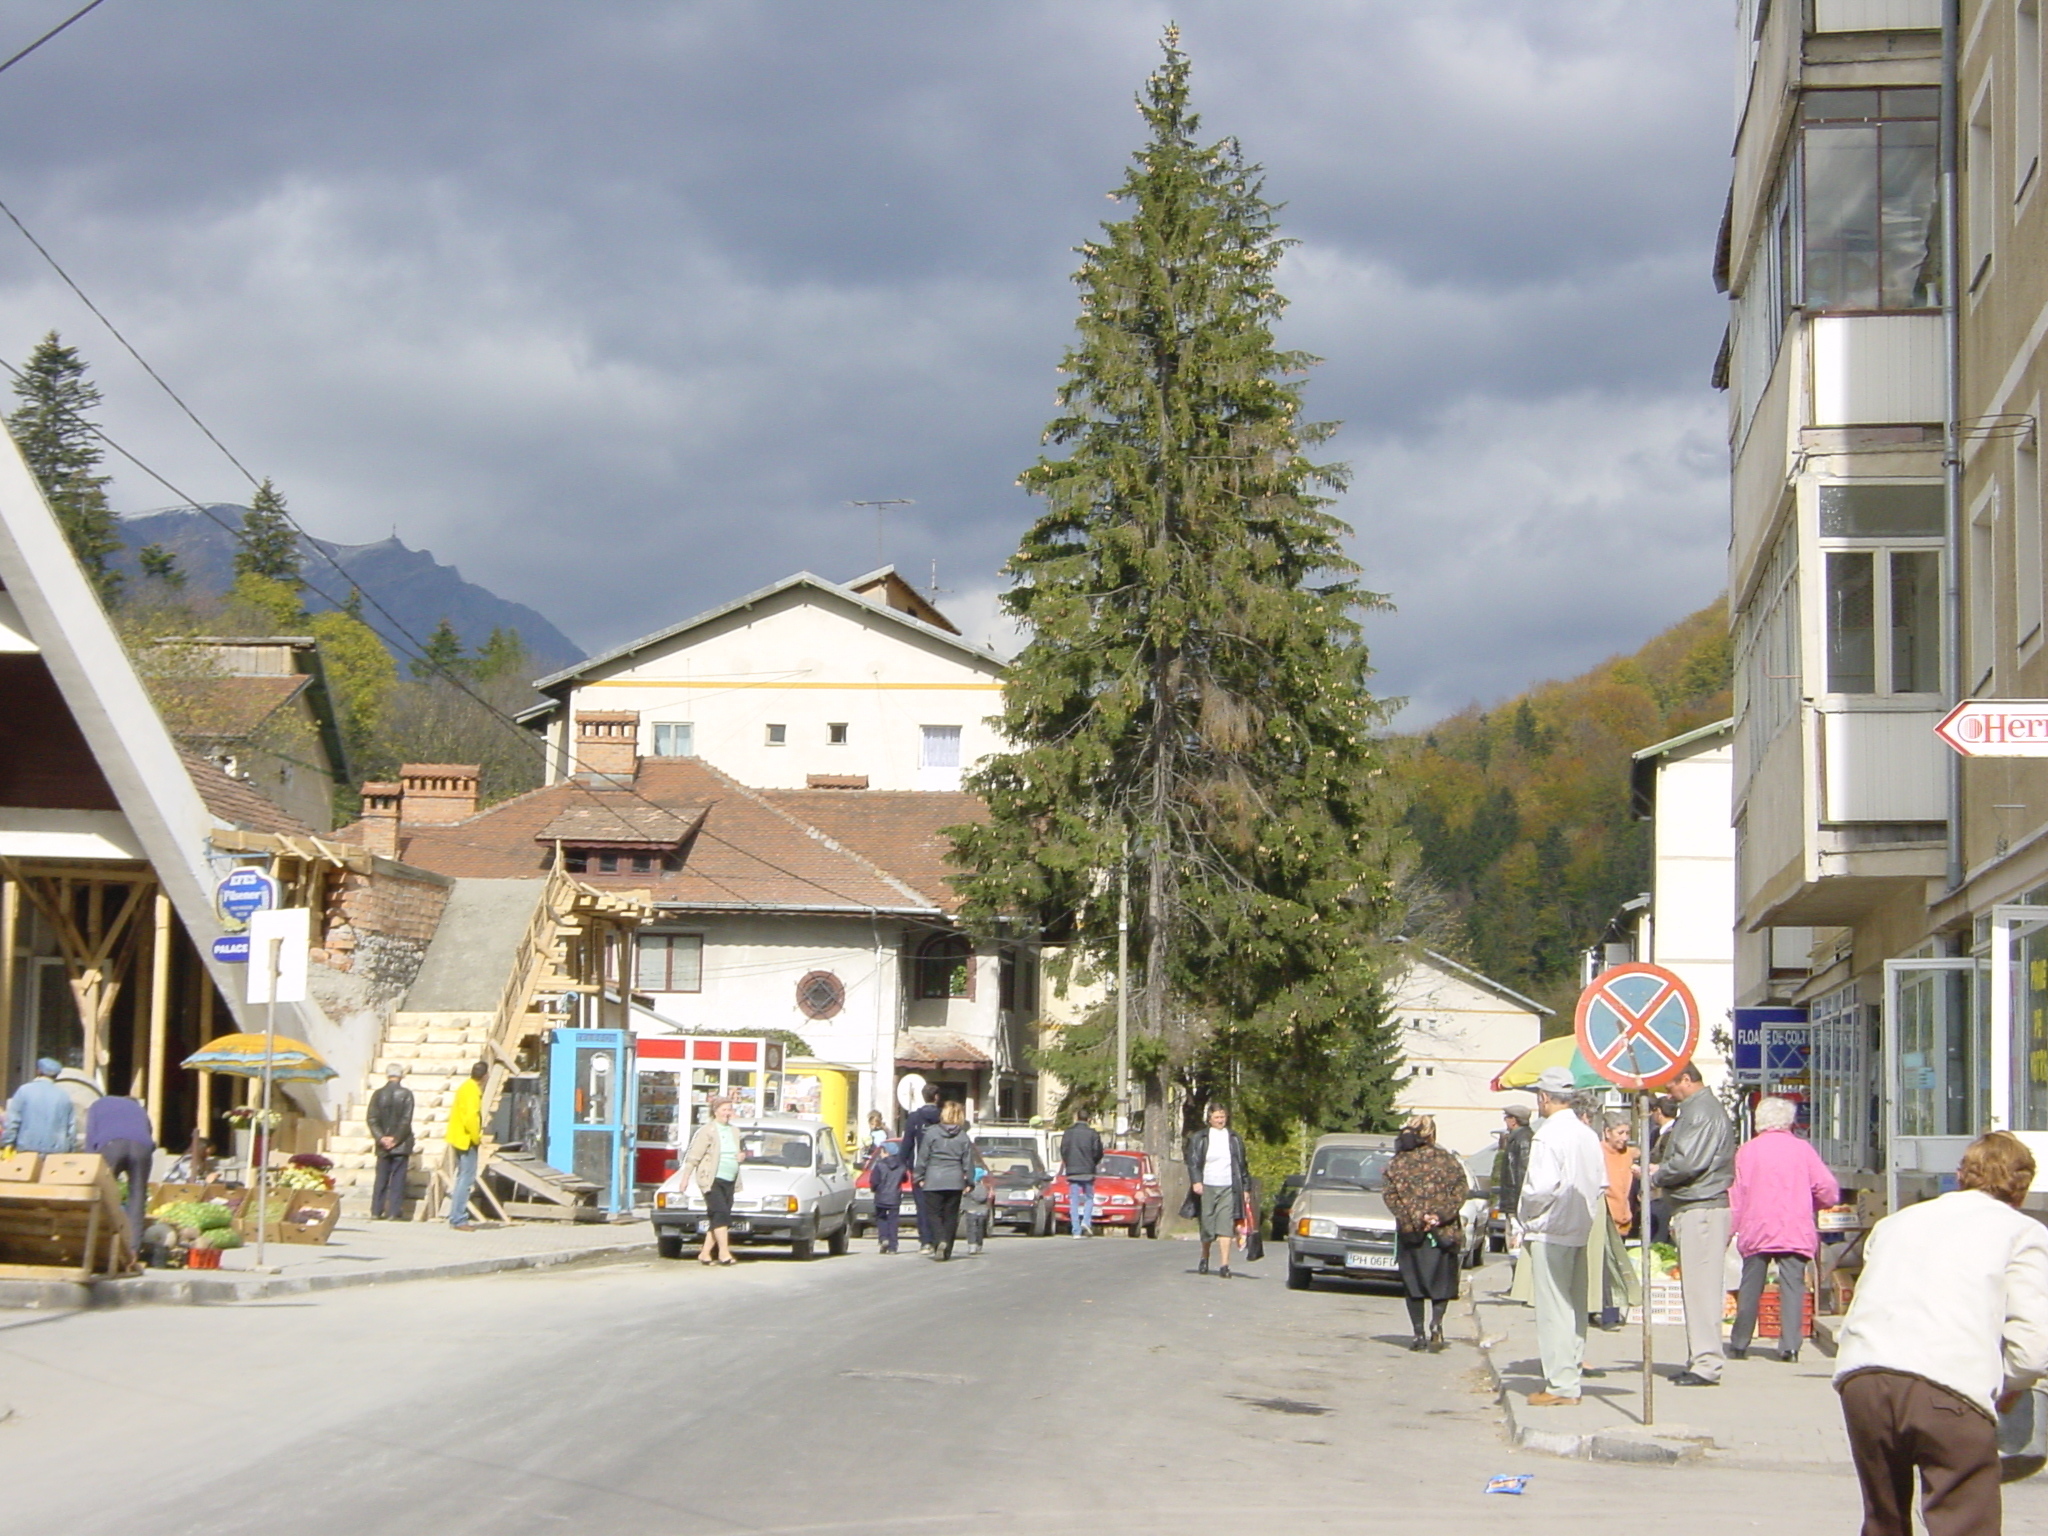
[1123, 995]
[881, 507]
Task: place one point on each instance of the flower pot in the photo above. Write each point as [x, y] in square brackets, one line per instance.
[202, 1258]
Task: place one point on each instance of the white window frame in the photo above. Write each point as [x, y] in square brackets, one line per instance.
[928, 736]
[669, 936]
[2026, 97]
[664, 733]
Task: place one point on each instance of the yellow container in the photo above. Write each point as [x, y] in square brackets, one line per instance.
[825, 1089]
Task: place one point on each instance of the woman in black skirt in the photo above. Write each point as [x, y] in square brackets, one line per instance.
[1426, 1187]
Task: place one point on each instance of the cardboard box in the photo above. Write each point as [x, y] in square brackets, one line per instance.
[72, 1168]
[23, 1167]
[311, 1216]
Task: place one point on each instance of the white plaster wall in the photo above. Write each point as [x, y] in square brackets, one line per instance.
[1693, 887]
[804, 659]
[1456, 1036]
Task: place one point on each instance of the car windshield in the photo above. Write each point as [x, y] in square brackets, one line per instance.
[1004, 1164]
[777, 1149]
[1114, 1167]
[1350, 1165]
[993, 1147]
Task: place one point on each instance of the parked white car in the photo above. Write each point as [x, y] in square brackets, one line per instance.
[793, 1187]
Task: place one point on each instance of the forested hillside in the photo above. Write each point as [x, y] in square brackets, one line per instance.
[1521, 813]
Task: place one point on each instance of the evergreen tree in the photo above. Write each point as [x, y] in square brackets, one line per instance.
[270, 544]
[1190, 708]
[159, 564]
[54, 429]
[504, 654]
[441, 656]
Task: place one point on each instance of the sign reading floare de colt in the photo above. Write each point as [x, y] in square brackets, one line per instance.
[1637, 1025]
[1997, 728]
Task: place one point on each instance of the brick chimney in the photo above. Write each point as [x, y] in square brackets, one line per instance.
[608, 744]
[434, 794]
[380, 819]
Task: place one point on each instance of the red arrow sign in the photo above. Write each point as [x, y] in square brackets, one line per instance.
[1997, 728]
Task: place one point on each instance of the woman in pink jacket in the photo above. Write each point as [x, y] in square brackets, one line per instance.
[1780, 1182]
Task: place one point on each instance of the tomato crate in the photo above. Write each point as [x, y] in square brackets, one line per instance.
[1769, 1321]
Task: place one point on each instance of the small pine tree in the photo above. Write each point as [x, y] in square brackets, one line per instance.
[270, 544]
[160, 564]
[504, 654]
[54, 429]
[441, 656]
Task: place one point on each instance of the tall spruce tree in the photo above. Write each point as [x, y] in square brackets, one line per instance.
[441, 655]
[54, 429]
[1190, 708]
[270, 544]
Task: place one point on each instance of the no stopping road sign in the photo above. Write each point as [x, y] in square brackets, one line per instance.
[1637, 1025]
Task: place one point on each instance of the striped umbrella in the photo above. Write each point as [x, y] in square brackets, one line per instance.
[1557, 1051]
[290, 1061]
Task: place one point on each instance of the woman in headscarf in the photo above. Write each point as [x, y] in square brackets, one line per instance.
[1426, 1187]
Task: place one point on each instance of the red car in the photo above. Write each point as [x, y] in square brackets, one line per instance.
[1126, 1194]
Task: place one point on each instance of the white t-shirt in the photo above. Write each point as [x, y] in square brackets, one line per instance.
[1216, 1165]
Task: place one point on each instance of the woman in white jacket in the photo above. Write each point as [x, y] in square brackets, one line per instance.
[1949, 1324]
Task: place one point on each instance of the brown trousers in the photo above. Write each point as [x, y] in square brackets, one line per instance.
[1898, 1423]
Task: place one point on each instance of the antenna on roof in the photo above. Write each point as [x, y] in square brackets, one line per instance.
[880, 507]
[934, 592]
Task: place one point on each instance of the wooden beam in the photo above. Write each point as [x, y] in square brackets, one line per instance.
[159, 1013]
[10, 938]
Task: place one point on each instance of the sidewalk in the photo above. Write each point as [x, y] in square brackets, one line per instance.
[360, 1252]
[1762, 1412]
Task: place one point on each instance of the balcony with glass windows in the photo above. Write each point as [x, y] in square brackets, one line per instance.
[1844, 794]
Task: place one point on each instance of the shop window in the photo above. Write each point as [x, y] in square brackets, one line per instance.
[669, 962]
[945, 967]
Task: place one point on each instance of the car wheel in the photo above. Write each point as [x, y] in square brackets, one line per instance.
[1299, 1278]
[840, 1243]
[1152, 1227]
[803, 1248]
[856, 1228]
[1042, 1223]
[1134, 1227]
[669, 1244]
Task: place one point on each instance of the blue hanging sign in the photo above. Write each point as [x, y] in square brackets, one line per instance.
[241, 893]
[232, 950]
[1785, 1032]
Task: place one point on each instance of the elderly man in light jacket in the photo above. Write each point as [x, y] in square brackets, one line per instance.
[1949, 1325]
[1561, 1198]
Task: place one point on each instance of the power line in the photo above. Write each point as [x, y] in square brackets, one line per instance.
[32, 47]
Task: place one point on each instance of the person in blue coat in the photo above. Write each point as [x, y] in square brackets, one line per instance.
[40, 1117]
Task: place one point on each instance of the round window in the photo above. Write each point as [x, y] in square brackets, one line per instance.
[820, 995]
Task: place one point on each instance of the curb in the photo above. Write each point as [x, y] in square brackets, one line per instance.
[153, 1290]
[1654, 1446]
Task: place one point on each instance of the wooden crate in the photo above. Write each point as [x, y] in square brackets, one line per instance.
[62, 1231]
[22, 1168]
[1769, 1318]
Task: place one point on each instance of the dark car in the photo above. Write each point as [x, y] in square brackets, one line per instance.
[1018, 1196]
[1283, 1204]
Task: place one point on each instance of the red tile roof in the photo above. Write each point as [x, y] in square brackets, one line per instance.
[237, 803]
[753, 848]
[937, 1049]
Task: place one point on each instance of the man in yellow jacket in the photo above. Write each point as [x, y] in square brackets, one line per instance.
[465, 1137]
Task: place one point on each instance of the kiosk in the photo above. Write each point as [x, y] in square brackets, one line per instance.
[590, 1111]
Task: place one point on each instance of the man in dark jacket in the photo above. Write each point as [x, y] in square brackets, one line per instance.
[1511, 1162]
[922, 1119]
[390, 1123]
[1080, 1157]
[118, 1129]
[1695, 1165]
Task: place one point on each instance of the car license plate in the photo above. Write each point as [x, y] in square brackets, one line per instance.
[1369, 1261]
[742, 1228]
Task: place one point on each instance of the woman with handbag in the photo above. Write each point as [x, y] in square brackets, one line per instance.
[712, 1165]
[1425, 1189]
[1218, 1180]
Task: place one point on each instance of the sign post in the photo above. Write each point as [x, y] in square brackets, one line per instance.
[281, 939]
[1636, 1026]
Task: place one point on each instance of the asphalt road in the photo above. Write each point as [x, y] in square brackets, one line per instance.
[1044, 1386]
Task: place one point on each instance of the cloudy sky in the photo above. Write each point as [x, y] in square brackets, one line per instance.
[616, 305]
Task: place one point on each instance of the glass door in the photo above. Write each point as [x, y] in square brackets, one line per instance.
[1935, 1066]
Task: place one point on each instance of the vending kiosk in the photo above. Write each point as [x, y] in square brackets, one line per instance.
[678, 1078]
[590, 1111]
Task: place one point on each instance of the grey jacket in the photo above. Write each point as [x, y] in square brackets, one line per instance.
[946, 1158]
[1696, 1156]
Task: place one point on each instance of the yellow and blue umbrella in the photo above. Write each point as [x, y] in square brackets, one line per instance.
[289, 1060]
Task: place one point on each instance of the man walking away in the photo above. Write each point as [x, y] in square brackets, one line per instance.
[40, 1116]
[1780, 1182]
[117, 1128]
[1695, 1165]
[390, 1122]
[921, 1120]
[1080, 1157]
[1220, 1175]
[1949, 1325]
[1561, 1198]
[465, 1139]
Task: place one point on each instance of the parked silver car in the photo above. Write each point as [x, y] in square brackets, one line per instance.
[793, 1187]
[1340, 1226]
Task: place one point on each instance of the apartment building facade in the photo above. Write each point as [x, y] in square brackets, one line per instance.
[1883, 256]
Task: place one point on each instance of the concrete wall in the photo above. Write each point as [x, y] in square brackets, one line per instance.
[805, 660]
[1692, 888]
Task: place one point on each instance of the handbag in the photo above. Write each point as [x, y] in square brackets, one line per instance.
[1190, 1207]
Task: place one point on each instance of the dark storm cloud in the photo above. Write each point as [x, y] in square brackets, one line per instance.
[616, 305]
